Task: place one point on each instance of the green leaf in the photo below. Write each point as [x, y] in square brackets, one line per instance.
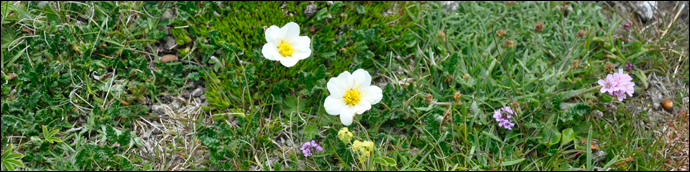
[567, 135]
[549, 137]
[361, 9]
[10, 159]
[385, 161]
[410, 40]
[512, 162]
[292, 104]
[491, 136]
[642, 77]
[310, 131]
[605, 98]
[579, 109]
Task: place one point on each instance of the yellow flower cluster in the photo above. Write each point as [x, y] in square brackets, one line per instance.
[364, 149]
[345, 135]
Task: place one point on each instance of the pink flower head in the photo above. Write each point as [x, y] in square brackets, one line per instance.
[307, 148]
[608, 85]
[617, 85]
[502, 116]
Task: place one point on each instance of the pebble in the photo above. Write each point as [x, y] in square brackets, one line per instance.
[167, 15]
[158, 108]
[170, 43]
[310, 10]
[175, 104]
[645, 10]
[198, 92]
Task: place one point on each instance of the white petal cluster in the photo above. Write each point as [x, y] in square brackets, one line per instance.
[351, 94]
[285, 45]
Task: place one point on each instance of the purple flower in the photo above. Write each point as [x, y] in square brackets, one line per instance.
[627, 25]
[502, 116]
[629, 66]
[308, 146]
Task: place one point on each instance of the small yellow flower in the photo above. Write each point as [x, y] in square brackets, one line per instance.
[364, 148]
[345, 135]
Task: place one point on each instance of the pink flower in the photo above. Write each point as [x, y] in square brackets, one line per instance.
[617, 85]
[608, 85]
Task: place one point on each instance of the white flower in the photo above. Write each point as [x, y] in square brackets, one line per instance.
[285, 45]
[350, 94]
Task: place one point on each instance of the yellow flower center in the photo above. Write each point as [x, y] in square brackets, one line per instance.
[284, 48]
[352, 96]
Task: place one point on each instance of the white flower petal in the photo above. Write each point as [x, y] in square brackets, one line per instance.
[301, 54]
[333, 105]
[271, 35]
[345, 78]
[362, 78]
[269, 50]
[336, 88]
[346, 116]
[362, 106]
[289, 61]
[302, 42]
[291, 30]
[373, 94]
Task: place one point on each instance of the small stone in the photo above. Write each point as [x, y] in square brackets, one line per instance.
[198, 92]
[185, 93]
[170, 43]
[158, 109]
[203, 97]
[645, 10]
[310, 10]
[167, 15]
[175, 104]
[667, 104]
[168, 58]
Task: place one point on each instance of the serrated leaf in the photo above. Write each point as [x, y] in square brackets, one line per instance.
[512, 162]
[361, 9]
[310, 131]
[556, 101]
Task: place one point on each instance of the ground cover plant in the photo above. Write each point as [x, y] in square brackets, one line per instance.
[341, 86]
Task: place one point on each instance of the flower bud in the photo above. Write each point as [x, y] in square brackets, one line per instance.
[500, 33]
[441, 35]
[429, 98]
[466, 76]
[457, 96]
[581, 33]
[539, 27]
[508, 44]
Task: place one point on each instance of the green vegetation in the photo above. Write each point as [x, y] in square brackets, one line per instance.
[84, 88]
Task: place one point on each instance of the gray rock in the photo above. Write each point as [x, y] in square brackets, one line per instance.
[170, 43]
[167, 14]
[185, 93]
[645, 10]
[158, 109]
[175, 105]
[198, 92]
[203, 97]
[310, 10]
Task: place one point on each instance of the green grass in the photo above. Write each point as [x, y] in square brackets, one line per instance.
[87, 74]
